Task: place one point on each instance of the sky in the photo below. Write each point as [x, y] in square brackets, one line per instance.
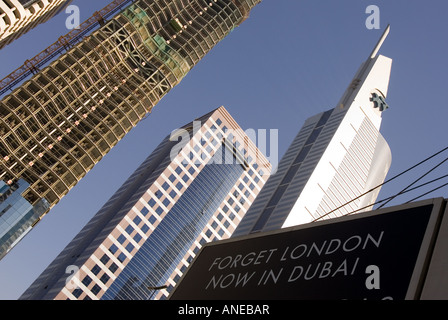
[290, 60]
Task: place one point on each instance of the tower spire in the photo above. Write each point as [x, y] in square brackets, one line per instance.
[380, 42]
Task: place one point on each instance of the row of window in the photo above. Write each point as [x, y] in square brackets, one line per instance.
[155, 210]
[96, 270]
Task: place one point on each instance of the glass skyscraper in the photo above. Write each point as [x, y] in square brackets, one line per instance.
[57, 125]
[335, 159]
[194, 188]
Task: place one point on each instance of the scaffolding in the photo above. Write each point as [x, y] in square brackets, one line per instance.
[32, 65]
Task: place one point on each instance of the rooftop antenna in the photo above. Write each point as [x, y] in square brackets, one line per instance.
[361, 72]
[380, 42]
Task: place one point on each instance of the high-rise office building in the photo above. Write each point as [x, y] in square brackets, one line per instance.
[338, 156]
[57, 125]
[17, 17]
[194, 188]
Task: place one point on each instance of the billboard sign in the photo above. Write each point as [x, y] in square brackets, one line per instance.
[377, 255]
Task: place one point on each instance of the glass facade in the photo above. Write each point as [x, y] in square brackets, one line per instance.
[156, 259]
[17, 215]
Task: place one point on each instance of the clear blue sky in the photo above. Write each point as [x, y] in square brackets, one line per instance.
[290, 60]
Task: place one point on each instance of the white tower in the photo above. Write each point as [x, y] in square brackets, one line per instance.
[337, 157]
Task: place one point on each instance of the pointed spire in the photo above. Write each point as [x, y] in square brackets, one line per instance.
[380, 42]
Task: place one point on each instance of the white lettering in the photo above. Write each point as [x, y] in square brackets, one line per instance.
[72, 21]
[373, 280]
[373, 21]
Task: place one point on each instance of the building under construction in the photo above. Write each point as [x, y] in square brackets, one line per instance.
[60, 122]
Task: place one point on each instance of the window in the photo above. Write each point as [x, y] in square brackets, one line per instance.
[129, 229]
[95, 289]
[137, 238]
[113, 267]
[145, 210]
[152, 219]
[165, 186]
[137, 220]
[104, 278]
[303, 153]
[277, 196]
[291, 174]
[172, 178]
[86, 281]
[262, 219]
[323, 120]
[121, 239]
[104, 259]
[179, 186]
[96, 269]
[77, 293]
[152, 203]
[113, 248]
[159, 211]
[145, 228]
[218, 122]
[121, 257]
[166, 202]
[130, 247]
[314, 135]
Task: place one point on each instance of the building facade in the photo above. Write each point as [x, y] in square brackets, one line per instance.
[193, 189]
[57, 125]
[17, 17]
[337, 157]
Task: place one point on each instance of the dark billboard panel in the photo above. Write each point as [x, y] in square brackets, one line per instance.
[375, 255]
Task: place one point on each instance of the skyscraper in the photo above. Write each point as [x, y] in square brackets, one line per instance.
[17, 17]
[57, 125]
[338, 156]
[194, 188]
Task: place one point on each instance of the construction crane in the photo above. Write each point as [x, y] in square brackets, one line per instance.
[32, 65]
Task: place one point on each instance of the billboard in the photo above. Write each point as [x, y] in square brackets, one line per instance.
[376, 255]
